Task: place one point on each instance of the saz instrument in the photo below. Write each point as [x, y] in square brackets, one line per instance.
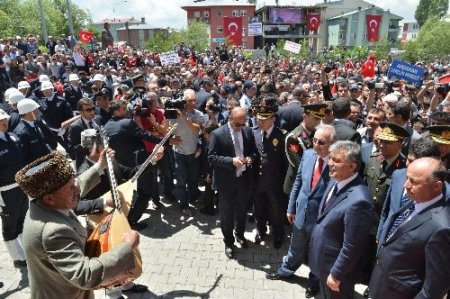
[109, 231]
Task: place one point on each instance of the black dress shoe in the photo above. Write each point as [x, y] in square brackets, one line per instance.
[20, 264]
[277, 243]
[366, 292]
[138, 225]
[242, 241]
[137, 288]
[259, 237]
[274, 276]
[311, 292]
[208, 211]
[229, 252]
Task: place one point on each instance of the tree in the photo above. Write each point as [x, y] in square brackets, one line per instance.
[430, 8]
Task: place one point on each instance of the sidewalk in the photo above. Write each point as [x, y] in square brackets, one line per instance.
[185, 258]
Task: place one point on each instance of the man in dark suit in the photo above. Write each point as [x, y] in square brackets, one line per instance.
[73, 92]
[206, 85]
[307, 192]
[269, 170]
[345, 128]
[88, 120]
[292, 112]
[231, 153]
[126, 139]
[341, 231]
[413, 253]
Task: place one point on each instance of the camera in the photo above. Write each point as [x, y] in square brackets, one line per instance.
[172, 105]
[215, 107]
[330, 66]
[371, 84]
[442, 89]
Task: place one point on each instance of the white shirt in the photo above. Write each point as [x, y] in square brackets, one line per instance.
[420, 206]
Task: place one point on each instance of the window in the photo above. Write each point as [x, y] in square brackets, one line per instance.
[206, 14]
[196, 14]
[243, 13]
[244, 30]
[244, 45]
[219, 13]
[219, 29]
[235, 13]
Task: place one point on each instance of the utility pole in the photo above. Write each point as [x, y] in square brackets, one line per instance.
[69, 18]
[43, 25]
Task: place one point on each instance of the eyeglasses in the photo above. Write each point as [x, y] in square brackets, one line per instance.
[238, 125]
[320, 142]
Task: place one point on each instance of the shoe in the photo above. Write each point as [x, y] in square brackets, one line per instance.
[311, 292]
[188, 212]
[274, 276]
[229, 252]
[137, 288]
[208, 211]
[156, 205]
[277, 243]
[259, 237]
[20, 264]
[242, 240]
[366, 293]
[138, 225]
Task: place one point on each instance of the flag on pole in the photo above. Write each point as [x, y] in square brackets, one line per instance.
[86, 36]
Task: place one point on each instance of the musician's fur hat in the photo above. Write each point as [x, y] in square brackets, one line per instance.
[45, 175]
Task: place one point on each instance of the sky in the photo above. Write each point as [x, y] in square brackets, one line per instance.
[168, 13]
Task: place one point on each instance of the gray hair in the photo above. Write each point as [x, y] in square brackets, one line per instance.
[331, 130]
[352, 151]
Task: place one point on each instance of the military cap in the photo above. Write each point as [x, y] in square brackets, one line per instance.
[89, 138]
[316, 110]
[45, 175]
[392, 132]
[440, 133]
[265, 106]
[138, 77]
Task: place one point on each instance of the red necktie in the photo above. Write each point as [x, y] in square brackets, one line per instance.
[317, 173]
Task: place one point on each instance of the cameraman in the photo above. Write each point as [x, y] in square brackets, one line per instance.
[214, 111]
[189, 121]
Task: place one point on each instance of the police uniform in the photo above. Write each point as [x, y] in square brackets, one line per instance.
[13, 201]
[298, 141]
[55, 110]
[269, 171]
[441, 135]
[72, 95]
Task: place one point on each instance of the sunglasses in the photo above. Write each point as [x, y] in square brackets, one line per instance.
[238, 125]
[319, 142]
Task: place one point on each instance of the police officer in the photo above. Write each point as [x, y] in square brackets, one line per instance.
[13, 202]
[72, 91]
[269, 170]
[300, 139]
[36, 138]
[441, 135]
[14, 118]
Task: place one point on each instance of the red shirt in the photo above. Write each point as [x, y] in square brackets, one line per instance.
[147, 126]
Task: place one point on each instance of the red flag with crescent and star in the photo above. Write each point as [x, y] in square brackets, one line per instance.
[313, 21]
[232, 28]
[373, 27]
[86, 36]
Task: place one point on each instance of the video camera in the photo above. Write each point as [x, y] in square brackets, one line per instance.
[442, 89]
[176, 102]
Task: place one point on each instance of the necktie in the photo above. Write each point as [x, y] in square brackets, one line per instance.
[399, 220]
[331, 196]
[317, 173]
[237, 151]
[264, 138]
[91, 125]
[404, 200]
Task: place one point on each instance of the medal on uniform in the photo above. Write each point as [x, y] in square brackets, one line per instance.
[275, 142]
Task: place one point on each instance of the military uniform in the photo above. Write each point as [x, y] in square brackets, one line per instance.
[441, 135]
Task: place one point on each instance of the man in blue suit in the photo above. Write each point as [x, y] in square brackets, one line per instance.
[307, 192]
[412, 257]
[341, 231]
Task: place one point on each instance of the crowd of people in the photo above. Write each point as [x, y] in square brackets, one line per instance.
[357, 165]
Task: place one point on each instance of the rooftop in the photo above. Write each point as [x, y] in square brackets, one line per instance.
[119, 21]
[141, 26]
[209, 3]
[393, 16]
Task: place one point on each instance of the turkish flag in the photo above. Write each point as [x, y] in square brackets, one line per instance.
[373, 27]
[368, 68]
[86, 36]
[313, 21]
[232, 28]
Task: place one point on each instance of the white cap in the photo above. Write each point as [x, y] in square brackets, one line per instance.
[23, 85]
[27, 105]
[15, 97]
[43, 78]
[3, 115]
[9, 91]
[73, 77]
[98, 77]
[390, 98]
[46, 85]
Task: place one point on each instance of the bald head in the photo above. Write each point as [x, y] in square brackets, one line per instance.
[238, 117]
[425, 178]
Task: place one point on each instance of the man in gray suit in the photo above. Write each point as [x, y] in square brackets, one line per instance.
[413, 253]
[341, 233]
[55, 241]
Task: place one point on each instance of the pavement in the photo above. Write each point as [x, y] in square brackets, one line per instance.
[184, 258]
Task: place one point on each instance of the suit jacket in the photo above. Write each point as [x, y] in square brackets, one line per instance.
[269, 170]
[221, 153]
[413, 262]
[345, 130]
[394, 197]
[341, 232]
[292, 114]
[304, 202]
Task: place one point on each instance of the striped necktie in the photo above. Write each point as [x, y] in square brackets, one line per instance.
[400, 219]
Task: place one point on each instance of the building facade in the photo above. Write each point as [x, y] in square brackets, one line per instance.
[410, 30]
[212, 13]
[137, 35]
[117, 23]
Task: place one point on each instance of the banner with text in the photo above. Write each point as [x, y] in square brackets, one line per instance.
[292, 47]
[169, 58]
[406, 71]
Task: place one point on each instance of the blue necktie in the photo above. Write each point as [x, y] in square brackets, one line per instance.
[399, 220]
[331, 196]
[404, 200]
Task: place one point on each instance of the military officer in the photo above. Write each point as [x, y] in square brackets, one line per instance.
[13, 202]
[300, 139]
[269, 170]
[441, 135]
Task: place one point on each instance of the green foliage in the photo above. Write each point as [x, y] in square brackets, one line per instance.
[431, 39]
[303, 54]
[358, 52]
[196, 35]
[382, 48]
[430, 8]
